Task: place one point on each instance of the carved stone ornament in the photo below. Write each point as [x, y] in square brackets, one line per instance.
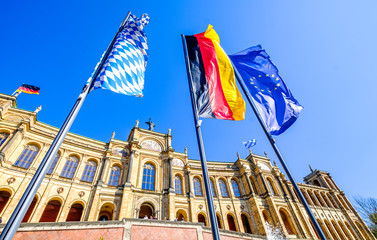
[11, 180]
[81, 194]
[242, 206]
[60, 190]
[200, 206]
[228, 207]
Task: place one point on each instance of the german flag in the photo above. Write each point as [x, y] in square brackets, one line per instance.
[28, 89]
[212, 76]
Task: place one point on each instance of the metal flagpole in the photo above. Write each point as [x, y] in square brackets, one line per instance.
[211, 208]
[25, 201]
[280, 157]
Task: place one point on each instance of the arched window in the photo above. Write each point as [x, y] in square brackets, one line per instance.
[231, 223]
[197, 187]
[202, 219]
[178, 184]
[219, 221]
[271, 185]
[223, 190]
[236, 190]
[75, 213]
[287, 222]
[245, 223]
[89, 171]
[4, 198]
[53, 164]
[114, 176]
[212, 188]
[3, 137]
[27, 156]
[255, 185]
[148, 177]
[70, 167]
[51, 211]
[30, 210]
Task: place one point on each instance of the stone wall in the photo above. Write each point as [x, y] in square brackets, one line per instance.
[127, 229]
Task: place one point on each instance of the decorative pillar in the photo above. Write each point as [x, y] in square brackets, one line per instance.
[248, 182]
[264, 183]
[102, 174]
[171, 186]
[129, 170]
[281, 185]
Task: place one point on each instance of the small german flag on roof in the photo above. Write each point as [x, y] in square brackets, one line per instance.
[28, 89]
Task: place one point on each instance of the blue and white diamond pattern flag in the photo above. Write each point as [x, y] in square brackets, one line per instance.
[123, 70]
[250, 143]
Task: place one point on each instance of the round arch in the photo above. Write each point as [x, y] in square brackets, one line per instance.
[106, 212]
[5, 194]
[287, 221]
[219, 220]
[31, 208]
[147, 210]
[52, 210]
[272, 186]
[239, 183]
[160, 143]
[202, 217]
[267, 217]
[226, 186]
[246, 223]
[231, 219]
[75, 212]
[181, 215]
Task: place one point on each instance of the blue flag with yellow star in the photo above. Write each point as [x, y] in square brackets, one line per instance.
[278, 108]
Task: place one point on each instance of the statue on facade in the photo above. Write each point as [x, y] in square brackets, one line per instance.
[150, 124]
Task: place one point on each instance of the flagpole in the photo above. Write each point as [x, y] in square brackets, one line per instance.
[280, 157]
[25, 201]
[211, 208]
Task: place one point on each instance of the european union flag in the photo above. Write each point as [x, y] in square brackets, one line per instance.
[278, 108]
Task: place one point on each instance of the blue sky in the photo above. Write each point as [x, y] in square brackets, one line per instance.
[325, 51]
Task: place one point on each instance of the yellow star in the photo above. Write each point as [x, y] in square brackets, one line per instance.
[277, 79]
[262, 90]
[266, 75]
[275, 88]
[251, 83]
[273, 75]
[260, 76]
[255, 86]
[269, 91]
[278, 84]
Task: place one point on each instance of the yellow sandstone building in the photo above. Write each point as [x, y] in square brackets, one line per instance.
[144, 176]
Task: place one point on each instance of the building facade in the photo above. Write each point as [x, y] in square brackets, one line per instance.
[91, 180]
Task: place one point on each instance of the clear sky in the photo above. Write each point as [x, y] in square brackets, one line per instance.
[325, 50]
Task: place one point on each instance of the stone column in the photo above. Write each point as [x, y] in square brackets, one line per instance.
[248, 182]
[171, 186]
[190, 191]
[281, 185]
[103, 168]
[129, 170]
[264, 183]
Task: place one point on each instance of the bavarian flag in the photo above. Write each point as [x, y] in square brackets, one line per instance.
[28, 89]
[212, 76]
